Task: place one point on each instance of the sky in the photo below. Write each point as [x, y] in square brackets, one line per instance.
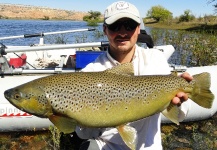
[197, 7]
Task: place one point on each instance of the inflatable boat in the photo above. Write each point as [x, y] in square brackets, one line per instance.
[17, 67]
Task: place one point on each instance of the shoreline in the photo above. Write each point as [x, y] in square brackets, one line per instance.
[189, 26]
[21, 12]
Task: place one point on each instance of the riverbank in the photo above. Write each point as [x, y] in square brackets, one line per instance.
[195, 135]
[11, 11]
[189, 26]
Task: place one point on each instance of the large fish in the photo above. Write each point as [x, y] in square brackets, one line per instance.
[111, 98]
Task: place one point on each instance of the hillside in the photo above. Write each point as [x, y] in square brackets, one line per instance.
[11, 11]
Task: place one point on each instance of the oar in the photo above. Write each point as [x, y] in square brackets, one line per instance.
[4, 50]
[43, 34]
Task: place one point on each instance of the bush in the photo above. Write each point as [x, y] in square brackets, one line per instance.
[86, 18]
[159, 13]
[186, 17]
[93, 18]
[46, 18]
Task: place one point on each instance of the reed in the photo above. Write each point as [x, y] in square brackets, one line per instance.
[192, 48]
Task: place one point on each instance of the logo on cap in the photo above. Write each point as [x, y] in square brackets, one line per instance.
[122, 5]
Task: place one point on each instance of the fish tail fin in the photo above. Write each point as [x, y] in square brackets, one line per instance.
[129, 135]
[201, 93]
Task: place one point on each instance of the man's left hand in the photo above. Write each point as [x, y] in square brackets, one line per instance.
[181, 96]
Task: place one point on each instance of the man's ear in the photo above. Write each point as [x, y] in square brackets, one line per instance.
[139, 29]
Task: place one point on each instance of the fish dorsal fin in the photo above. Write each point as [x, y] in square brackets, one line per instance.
[172, 113]
[64, 124]
[123, 69]
[174, 73]
[129, 135]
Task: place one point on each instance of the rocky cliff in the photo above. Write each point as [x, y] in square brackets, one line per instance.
[11, 11]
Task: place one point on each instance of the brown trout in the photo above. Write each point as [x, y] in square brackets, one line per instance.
[111, 98]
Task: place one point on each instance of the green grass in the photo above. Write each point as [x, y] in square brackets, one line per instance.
[189, 26]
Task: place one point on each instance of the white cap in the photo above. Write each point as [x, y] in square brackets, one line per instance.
[121, 9]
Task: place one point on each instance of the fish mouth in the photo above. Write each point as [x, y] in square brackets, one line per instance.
[7, 94]
[12, 97]
[31, 106]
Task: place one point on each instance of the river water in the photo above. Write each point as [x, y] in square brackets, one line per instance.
[20, 27]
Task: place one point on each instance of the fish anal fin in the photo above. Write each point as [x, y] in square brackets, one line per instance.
[129, 135]
[123, 69]
[64, 124]
[172, 113]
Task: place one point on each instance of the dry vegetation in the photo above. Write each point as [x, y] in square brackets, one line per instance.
[10, 11]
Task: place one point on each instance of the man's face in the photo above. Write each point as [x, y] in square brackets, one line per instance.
[122, 34]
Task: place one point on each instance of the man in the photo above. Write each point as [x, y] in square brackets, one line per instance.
[122, 27]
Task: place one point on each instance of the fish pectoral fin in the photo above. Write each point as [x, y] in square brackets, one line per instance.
[129, 135]
[172, 113]
[64, 124]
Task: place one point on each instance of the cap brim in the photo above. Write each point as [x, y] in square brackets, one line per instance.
[116, 17]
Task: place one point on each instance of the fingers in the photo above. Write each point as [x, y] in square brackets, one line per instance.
[176, 101]
[180, 98]
[186, 76]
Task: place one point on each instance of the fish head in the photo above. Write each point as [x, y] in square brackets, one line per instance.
[29, 98]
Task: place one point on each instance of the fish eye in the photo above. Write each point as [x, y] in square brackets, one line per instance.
[16, 96]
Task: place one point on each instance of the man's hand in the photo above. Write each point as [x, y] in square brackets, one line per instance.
[181, 96]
